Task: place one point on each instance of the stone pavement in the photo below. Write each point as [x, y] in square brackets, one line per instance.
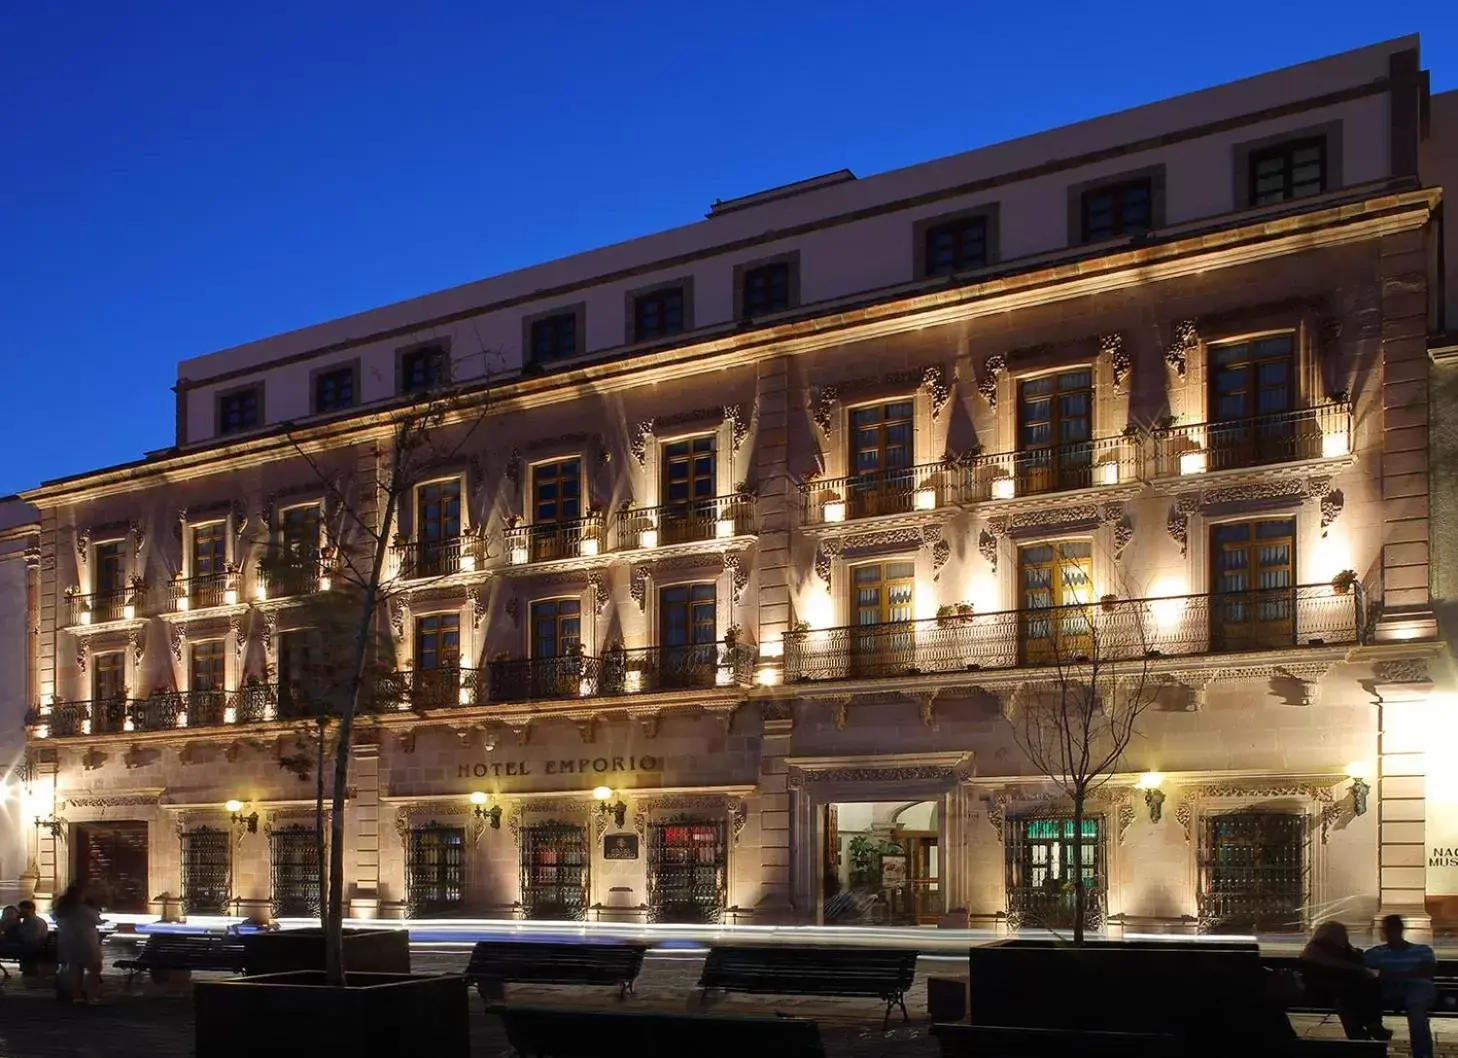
[155, 1023]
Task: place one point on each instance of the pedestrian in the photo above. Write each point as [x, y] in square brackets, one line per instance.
[1406, 974]
[78, 945]
[9, 919]
[1333, 973]
[30, 933]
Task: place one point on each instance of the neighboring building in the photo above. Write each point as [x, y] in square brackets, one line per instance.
[1166, 369]
[20, 800]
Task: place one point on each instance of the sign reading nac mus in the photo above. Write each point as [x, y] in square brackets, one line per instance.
[497, 769]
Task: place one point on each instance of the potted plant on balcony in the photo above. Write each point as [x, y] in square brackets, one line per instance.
[1344, 581]
[1108, 602]
[954, 613]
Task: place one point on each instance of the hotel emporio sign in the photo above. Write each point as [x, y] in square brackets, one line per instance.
[592, 767]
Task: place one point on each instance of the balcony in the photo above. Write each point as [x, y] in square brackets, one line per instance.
[118, 604]
[619, 671]
[692, 522]
[1106, 631]
[204, 591]
[902, 490]
[1059, 468]
[439, 688]
[436, 558]
[556, 541]
[1323, 432]
[289, 577]
[525, 679]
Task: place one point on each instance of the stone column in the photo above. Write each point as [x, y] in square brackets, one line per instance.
[364, 820]
[777, 896]
[952, 862]
[771, 457]
[1402, 691]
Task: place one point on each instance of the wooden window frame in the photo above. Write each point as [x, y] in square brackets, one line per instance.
[317, 377]
[252, 389]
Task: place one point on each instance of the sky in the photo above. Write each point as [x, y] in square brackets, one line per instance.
[178, 178]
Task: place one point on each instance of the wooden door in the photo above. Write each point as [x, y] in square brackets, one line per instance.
[111, 858]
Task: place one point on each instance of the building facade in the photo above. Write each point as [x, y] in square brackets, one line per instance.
[763, 530]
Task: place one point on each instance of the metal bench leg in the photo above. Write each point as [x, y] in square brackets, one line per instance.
[886, 1021]
[901, 999]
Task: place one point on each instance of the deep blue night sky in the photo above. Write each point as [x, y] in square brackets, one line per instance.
[179, 178]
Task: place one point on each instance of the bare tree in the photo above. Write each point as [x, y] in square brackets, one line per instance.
[350, 678]
[1076, 725]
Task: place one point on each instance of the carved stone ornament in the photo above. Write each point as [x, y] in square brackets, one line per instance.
[738, 424]
[176, 643]
[638, 587]
[33, 557]
[1403, 670]
[987, 548]
[235, 632]
[137, 640]
[638, 444]
[738, 816]
[997, 814]
[992, 369]
[738, 576]
[822, 407]
[513, 610]
[512, 470]
[1331, 508]
[270, 633]
[601, 595]
[934, 381]
[1184, 340]
[238, 513]
[941, 552]
[1113, 348]
[1178, 527]
[586, 728]
[477, 599]
[823, 565]
[399, 611]
[1123, 535]
[1185, 816]
[138, 533]
[82, 652]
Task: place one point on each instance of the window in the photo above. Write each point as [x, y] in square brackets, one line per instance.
[556, 509]
[108, 692]
[208, 586]
[554, 337]
[956, 246]
[205, 697]
[1296, 169]
[1124, 208]
[1040, 869]
[554, 871]
[658, 314]
[421, 369]
[1055, 427]
[295, 862]
[436, 679]
[206, 862]
[239, 410]
[687, 635]
[334, 389]
[435, 874]
[1055, 588]
[298, 669]
[438, 543]
[110, 585]
[687, 482]
[1253, 872]
[556, 628]
[766, 288]
[687, 865]
[1251, 394]
[299, 530]
[881, 456]
[882, 597]
[1253, 578]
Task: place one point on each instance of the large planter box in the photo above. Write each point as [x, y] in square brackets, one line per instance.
[381, 951]
[296, 1015]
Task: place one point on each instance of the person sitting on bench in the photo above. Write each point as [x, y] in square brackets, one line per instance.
[1334, 973]
[1406, 975]
[30, 931]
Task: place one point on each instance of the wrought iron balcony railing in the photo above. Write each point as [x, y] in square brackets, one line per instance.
[421, 688]
[1321, 432]
[205, 590]
[901, 490]
[290, 578]
[1057, 468]
[117, 604]
[717, 518]
[437, 558]
[555, 541]
[1034, 906]
[98, 716]
[523, 679]
[1104, 631]
[643, 670]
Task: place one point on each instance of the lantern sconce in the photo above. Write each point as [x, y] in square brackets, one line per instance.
[1359, 772]
[246, 824]
[492, 814]
[619, 811]
[1150, 782]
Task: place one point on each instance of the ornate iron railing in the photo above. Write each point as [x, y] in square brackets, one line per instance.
[118, 604]
[555, 541]
[645, 669]
[435, 870]
[718, 518]
[554, 866]
[288, 578]
[1116, 630]
[1284, 437]
[1254, 872]
[439, 688]
[100, 716]
[207, 859]
[437, 558]
[926, 486]
[688, 863]
[1058, 468]
[294, 862]
[522, 679]
[208, 589]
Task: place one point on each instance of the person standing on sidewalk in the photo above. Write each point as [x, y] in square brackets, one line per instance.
[1406, 972]
[78, 945]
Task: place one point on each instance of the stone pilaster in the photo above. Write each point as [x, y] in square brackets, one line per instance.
[363, 826]
[772, 464]
[1402, 690]
[776, 900]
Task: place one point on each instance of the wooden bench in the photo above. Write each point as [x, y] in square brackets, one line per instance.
[558, 1032]
[496, 962]
[883, 973]
[165, 953]
[1445, 980]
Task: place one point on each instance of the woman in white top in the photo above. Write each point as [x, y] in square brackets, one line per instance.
[78, 943]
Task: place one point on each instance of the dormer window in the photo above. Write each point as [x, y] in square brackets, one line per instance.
[240, 410]
[422, 369]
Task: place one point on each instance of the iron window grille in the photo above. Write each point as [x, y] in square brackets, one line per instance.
[688, 863]
[435, 870]
[207, 860]
[554, 871]
[1254, 870]
[1040, 889]
[294, 855]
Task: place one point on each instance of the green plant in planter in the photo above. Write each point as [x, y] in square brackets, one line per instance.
[1344, 581]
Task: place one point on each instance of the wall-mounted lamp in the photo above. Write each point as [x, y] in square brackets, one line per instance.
[619, 811]
[1150, 783]
[245, 824]
[1359, 772]
[55, 827]
[488, 816]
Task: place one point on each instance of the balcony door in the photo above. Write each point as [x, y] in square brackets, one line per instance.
[205, 682]
[557, 663]
[1054, 592]
[556, 505]
[209, 564]
[438, 507]
[881, 456]
[108, 692]
[687, 635]
[1252, 392]
[687, 490]
[299, 677]
[883, 641]
[111, 581]
[437, 676]
[1055, 432]
[1253, 582]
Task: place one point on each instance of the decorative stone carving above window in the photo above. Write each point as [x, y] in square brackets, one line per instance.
[822, 407]
[1113, 348]
[934, 381]
[638, 586]
[638, 444]
[1184, 340]
[992, 369]
[738, 423]
[1403, 670]
[738, 576]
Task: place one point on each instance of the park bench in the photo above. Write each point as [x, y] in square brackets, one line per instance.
[164, 954]
[497, 962]
[1004, 1041]
[44, 958]
[557, 1032]
[883, 973]
[1307, 1001]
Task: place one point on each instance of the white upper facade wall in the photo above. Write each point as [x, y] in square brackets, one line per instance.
[852, 237]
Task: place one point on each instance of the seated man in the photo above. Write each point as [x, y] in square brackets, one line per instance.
[1406, 971]
[30, 932]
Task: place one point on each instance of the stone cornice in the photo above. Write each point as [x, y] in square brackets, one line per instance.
[1050, 280]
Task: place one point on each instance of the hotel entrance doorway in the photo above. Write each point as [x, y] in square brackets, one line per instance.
[881, 863]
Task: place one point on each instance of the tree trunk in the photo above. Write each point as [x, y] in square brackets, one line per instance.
[1080, 897]
[321, 862]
